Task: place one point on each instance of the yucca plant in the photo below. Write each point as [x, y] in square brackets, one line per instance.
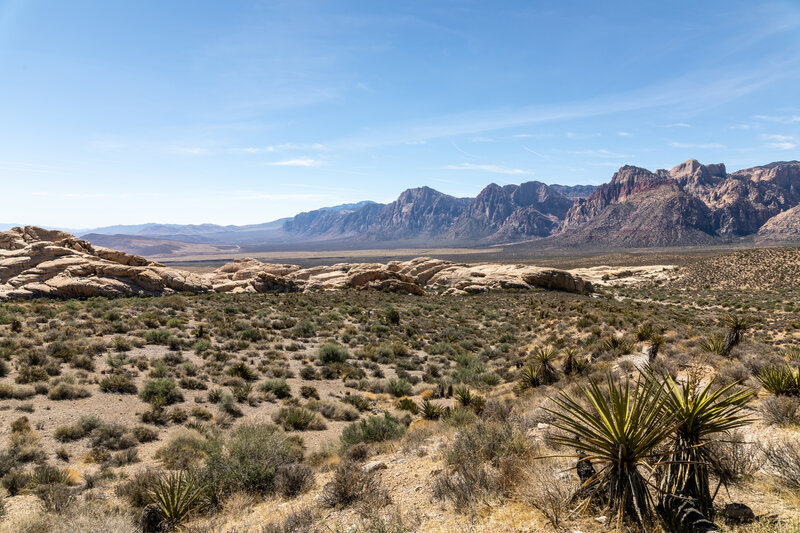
[617, 345]
[736, 326]
[544, 358]
[619, 433]
[654, 343]
[529, 378]
[714, 344]
[429, 410]
[700, 414]
[780, 380]
[463, 395]
[177, 494]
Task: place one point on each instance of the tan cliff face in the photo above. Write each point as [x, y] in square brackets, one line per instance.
[41, 263]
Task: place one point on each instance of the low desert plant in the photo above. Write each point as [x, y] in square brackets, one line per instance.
[299, 418]
[377, 428]
[351, 484]
[161, 392]
[293, 479]
[178, 495]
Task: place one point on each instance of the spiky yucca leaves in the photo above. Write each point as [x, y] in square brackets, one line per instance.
[429, 410]
[780, 380]
[714, 344]
[177, 494]
[572, 364]
[619, 433]
[463, 395]
[654, 343]
[736, 326]
[544, 358]
[529, 378]
[700, 413]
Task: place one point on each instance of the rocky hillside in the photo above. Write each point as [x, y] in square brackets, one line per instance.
[688, 205]
[36, 262]
[692, 204]
[783, 227]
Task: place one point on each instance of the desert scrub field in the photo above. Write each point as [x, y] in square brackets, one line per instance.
[387, 412]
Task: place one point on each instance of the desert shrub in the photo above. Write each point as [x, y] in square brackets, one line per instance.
[157, 336]
[376, 428]
[15, 481]
[351, 484]
[144, 434]
[298, 418]
[398, 387]
[249, 459]
[308, 372]
[8, 392]
[332, 353]
[118, 383]
[278, 387]
[112, 437]
[733, 458]
[358, 401]
[549, 488]
[67, 391]
[783, 461]
[77, 431]
[466, 487]
[407, 404]
[183, 451]
[56, 497]
[488, 442]
[293, 479]
[161, 392]
[309, 392]
[781, 410]
[136, 490]
[305, 328]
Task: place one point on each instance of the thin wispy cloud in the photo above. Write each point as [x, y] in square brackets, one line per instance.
[782, 119]
[600, 153]
[276, 148]
[296, 163]
[624, 133]
[677, 125]
[701, 146]
[780, 142]
[494, 169]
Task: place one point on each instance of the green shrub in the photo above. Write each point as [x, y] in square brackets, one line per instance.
[249, 460]
[299, 418]
[184, 450]
[161, 392]
[377, 428]
[332, 353]
[118, 383]
[67, 391]
[278, 387]
[399, 387]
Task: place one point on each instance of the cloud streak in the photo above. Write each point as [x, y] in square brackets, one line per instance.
[296, 163]
[494, 169]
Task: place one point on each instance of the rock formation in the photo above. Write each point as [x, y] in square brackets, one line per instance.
[36, 262]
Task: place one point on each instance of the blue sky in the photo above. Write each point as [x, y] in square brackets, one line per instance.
[244, 112]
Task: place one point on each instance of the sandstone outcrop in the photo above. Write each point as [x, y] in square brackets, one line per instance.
[37, 262]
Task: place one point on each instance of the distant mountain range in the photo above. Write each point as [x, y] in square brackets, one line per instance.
[691, 204]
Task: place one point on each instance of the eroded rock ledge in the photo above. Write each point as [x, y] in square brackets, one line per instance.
[35, 262]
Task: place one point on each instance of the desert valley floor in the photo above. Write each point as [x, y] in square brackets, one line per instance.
[368, 410]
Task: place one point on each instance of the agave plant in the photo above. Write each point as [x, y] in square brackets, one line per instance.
[544, 358]
[619, 433]
[700, 413]
[780, 380]
[177, 494]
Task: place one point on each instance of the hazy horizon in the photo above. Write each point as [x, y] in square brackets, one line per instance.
[191, 113]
